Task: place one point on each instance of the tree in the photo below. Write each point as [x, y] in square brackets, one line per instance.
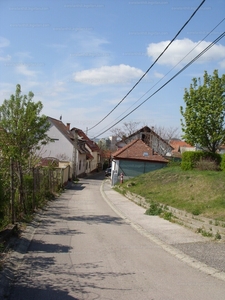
[204, 114]
[168, 133]
[127, 129]
[22, 131]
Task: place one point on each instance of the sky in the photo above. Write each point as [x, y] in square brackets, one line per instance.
[81, 58]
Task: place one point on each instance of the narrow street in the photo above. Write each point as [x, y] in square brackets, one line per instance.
[83, 250]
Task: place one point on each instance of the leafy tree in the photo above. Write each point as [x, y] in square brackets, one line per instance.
[22, 131]
[204, 114]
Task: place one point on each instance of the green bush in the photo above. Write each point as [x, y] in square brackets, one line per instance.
[173, 162]
[187, 165]
[222, 164]
[191, 159]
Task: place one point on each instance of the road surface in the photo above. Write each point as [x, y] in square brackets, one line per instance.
[83, 250]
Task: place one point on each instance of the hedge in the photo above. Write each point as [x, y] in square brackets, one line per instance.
[190, 158]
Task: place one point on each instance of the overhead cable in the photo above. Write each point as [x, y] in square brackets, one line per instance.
[171, 69]
[150, 66]
[185, 67]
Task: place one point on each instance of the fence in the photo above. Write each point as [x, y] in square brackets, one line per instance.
[39, 184]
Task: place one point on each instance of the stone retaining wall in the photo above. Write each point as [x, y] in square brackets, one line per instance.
[204, 226]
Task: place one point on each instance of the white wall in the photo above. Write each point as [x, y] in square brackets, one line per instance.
[114, 172]
[61, 148]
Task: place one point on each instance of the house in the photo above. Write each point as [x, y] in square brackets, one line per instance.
[150, 138]
[66, 147]
[180, 147]
[93, 155]
[135, 159]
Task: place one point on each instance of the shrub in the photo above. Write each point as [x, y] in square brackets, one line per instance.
[173, 162]
[222, 164]
[191, 159]
[207, 165]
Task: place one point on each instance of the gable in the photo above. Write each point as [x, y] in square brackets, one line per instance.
[150, 138]
[138, 150]
[59, 129]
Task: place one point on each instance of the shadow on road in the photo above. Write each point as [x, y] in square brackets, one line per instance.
[39, 246]
[95, 219]
[47, 292]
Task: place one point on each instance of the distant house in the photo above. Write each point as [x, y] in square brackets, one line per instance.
[66, 147]
[93, 156]
[150, 138]
[135, 159]
[179, 147]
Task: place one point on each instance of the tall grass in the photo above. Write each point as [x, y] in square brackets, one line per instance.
[197, 192]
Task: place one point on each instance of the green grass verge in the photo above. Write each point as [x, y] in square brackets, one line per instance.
[197, 192]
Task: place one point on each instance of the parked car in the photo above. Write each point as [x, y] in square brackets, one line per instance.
[108, 172]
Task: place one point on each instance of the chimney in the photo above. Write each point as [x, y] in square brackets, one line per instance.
[68, 126]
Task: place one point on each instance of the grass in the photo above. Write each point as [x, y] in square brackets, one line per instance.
[197, 192]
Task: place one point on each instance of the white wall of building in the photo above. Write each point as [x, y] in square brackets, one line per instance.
[61, 148]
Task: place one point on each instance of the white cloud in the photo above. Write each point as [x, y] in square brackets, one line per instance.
[222, 64]
[180, 48]
[23, 70]
[4, 42]
[120, 74]
[158, 75]
[5, 58]
[23, 55]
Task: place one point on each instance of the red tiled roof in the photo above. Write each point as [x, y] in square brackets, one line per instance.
[138, 150]
[92, 145]
[176, 144]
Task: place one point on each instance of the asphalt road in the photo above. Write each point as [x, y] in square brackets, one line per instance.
[83, 250]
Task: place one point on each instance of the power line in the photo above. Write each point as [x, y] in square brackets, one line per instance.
[151, 65]
[171, 69]
[185, 67]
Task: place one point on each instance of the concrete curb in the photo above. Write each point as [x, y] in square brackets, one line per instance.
[170, 249]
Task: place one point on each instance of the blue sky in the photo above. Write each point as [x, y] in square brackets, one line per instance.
[80, 58]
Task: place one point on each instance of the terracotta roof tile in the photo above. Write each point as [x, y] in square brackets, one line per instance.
[92, 145]
[176, 144]
[138, 150]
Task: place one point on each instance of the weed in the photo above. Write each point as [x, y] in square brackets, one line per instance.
[167, 215]
[218, 236]
[204, 232]
[155, 209]
[196, 212]
[217, 223]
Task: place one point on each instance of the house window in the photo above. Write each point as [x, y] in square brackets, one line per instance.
[79, 164]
